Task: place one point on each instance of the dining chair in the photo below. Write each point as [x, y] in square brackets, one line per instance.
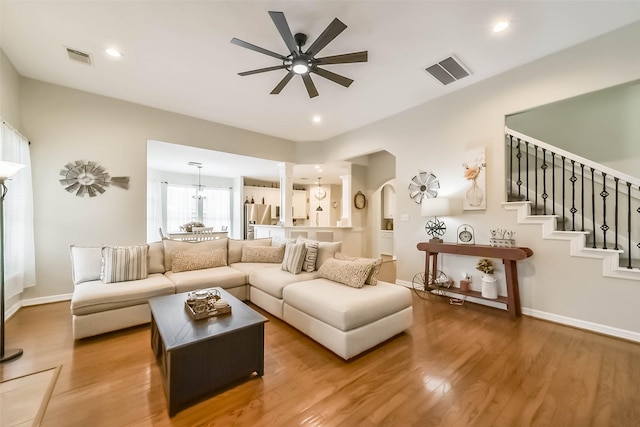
[203, 233]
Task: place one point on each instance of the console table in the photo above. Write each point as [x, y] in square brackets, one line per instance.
[509, 256]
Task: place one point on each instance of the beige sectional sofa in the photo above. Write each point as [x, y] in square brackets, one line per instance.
[347, 320]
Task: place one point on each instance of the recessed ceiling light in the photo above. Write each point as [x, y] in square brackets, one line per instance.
[500, 26]
[316, 119]
[114, 52]
[317, 166]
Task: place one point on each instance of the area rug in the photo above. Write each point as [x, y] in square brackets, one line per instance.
[24, 399]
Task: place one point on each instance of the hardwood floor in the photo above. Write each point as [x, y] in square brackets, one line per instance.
[456, 366]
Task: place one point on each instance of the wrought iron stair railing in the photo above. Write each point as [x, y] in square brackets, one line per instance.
[589, 197]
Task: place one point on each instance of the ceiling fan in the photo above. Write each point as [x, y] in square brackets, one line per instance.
[304, 63]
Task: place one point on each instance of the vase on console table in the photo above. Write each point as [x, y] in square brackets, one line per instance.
[489, 286]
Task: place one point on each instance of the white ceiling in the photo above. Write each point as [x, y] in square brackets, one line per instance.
[178, 56]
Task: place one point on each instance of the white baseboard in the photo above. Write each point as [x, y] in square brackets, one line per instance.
[583, 324]
[36, 301]
[556, 318]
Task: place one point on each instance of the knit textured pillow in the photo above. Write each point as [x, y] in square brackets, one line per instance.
[272, 254]
[293, 257]
[310, 257]
[124, 263]
[375, 269]
[187, 261]
[350, 273]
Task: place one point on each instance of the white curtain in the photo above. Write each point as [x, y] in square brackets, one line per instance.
[181, 206]
[154, 210]
[19, 248]
[217, 208]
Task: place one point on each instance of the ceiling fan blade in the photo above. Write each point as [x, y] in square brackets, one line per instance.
[256, 48]
[262, 70]
[311, 88]
[285, 32]
[336, 78]
[346, 58]
[331, 32]
[276, 90]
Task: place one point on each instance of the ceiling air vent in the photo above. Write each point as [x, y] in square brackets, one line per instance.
[76, 55]
[448, 70]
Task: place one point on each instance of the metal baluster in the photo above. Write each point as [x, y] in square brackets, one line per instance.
[553, 183]
[510, 167]
[573, 209]
[593, 206]
[544, 181]
[629, 224]
[563, 195]
[582, 195]
[526, 146]
[615, 209]
[535, 174]
[519, 156]
[604, 227]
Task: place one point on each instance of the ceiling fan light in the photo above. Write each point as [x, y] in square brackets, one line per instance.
[300, 66]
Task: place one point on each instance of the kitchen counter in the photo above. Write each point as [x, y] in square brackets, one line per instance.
[352, 238]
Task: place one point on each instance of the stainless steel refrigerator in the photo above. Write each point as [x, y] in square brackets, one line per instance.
[255, 214]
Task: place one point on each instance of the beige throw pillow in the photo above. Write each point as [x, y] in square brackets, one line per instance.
[171, 246]
[350, 273]
[270, 254]
[376, 263]
[293, 257]
[187, 261]
[124, 263]
[235, 248]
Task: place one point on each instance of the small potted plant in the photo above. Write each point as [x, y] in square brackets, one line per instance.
[489, 286]
[189, 226]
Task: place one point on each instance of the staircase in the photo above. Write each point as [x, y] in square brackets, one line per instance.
[595, 208]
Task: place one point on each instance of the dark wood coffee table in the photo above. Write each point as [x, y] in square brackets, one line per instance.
[197, 357]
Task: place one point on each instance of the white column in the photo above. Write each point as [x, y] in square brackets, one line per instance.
[286, 193]
[346, 200]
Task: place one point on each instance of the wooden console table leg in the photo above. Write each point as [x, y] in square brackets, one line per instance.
[513, 290]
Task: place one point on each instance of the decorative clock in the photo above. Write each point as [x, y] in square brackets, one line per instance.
[466, 235]
[425, 184]
[359, 200]
[89, 178]
[319, 193]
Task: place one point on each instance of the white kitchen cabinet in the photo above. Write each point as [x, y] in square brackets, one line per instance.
[386, 243]
[389, 202]
[299, 203]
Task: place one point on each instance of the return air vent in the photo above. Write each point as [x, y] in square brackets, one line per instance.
[448, 70]
[76, 55]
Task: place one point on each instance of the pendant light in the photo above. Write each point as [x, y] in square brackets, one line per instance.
[199, 193]
[319, 208]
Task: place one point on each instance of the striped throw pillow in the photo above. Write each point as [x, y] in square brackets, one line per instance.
[293, 257]
[124, 263]
[309, 264]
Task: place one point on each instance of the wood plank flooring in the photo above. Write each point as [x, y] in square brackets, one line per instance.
[457, 366]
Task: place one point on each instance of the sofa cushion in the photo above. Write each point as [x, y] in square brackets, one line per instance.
[224, 277]
[344, 307]
[95, 296]
[187, 261]
[268, 254]
[156, 258]
[376, 263]
[234, 251]
[249, 267]
[273, 280]
[350, 273]
[86, 263]
[124, 263]
[171, 246]
[294, 257]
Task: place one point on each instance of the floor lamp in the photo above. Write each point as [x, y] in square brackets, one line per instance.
[7, 169]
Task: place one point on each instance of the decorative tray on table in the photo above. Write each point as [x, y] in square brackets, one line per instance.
[205, 303]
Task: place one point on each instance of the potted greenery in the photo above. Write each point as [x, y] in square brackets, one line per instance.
[489, 285]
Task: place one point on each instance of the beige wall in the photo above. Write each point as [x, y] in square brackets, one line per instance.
[9, 92]
[433, 137]
[65, 125]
